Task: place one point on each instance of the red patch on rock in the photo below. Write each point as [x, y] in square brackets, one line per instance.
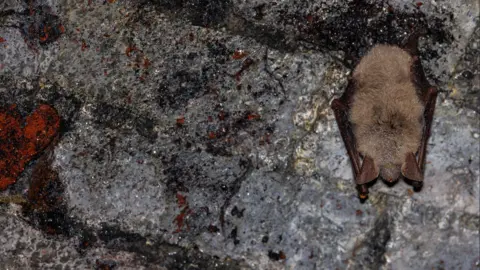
[21, 140]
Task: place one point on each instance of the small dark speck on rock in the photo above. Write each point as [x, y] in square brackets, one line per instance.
[213, 229]
[259, 11]
[237, 213]
[145, 127]
[467, 74]
[105, 264]
[276, 256]
[233, 235]
[265, 239]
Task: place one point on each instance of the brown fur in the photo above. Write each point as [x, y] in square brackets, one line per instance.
[386, 112]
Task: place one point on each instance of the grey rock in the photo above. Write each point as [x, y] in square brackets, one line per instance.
[198, 135]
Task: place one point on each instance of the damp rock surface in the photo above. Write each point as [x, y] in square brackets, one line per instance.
[199, 135]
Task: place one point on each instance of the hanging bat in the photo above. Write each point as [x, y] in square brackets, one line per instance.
[385, 115]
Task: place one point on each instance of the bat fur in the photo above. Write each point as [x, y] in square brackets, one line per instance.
[386, 112]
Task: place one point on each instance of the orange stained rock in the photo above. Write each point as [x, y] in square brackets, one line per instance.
[18, 145]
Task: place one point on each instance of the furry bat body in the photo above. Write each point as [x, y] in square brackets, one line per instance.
[385, 116]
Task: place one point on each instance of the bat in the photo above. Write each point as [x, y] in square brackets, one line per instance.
[385, 116]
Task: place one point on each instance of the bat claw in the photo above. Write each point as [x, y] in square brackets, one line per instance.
[417, 185]
[362, 191]
[363, 196]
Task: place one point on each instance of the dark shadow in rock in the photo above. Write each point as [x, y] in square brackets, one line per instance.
[66, 104]
[264, 34]
[101, 264]
[208, 12]
[176, 90]
[205, 13]
[218, 51]
[190, 172]
[234, 235]
[145, 127]
[276, 256]
[370, 253]
[159, 253]
[115, 117]
[111, 116]
[358, 27]
[46, 211]
[45, 208]
[233, 189]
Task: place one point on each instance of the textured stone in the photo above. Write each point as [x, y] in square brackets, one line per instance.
[198, 135]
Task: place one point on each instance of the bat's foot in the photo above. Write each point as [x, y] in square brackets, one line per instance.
[362, 191]
[417, 186]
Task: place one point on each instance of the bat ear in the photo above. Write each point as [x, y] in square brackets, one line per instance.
[368, 172]
[410, 168]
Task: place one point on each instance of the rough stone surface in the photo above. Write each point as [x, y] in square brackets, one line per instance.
[198, 135]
